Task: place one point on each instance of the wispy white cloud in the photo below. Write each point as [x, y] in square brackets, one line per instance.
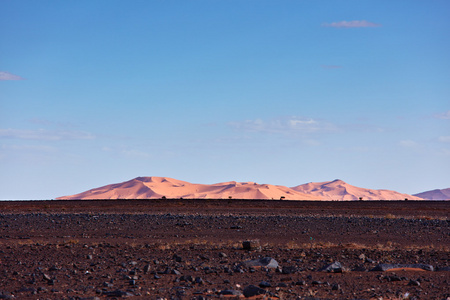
[34, 148]
[45, 135]
[444, 115]
[351, 24]
[126, 151]
[8, 76]
[284, 125]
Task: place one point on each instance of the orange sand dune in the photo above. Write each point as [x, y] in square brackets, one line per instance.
[158, 187]
[340, 190]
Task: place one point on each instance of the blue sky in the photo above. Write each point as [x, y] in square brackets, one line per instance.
[280, 92]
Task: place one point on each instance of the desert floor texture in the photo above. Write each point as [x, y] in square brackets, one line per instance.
[232, 249]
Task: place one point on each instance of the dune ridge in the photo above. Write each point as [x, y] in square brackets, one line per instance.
[158, 187]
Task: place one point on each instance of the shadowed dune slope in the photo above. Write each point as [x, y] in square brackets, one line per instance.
[437, 194]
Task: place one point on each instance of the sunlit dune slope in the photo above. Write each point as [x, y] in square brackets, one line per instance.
[340, 190]
[158, 187]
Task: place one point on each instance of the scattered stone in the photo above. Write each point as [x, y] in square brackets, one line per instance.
[146, 269]
[414, 283]
[46, 277]
[266, 262]
[335, 267]
[231, 293]
[264, 284]
[175, 272]
[117, 293]
[335, 287]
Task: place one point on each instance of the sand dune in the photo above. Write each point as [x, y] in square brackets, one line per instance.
[340, 190]
[443, 194]
[158, 187]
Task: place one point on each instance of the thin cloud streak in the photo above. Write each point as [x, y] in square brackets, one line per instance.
[286, 125]
[444, 115]
[9, 76]
[331, 67]
[44, 135]
[351, 24]
[444, 139]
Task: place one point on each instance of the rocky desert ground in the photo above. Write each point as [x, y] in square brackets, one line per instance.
[235, 249]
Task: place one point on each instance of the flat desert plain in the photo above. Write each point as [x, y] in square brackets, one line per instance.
[209, 249]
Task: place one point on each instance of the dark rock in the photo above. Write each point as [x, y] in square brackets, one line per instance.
[335, 287]
[146, 269]
[282, 284]
[264, 284]
[414, 283]
[393, 278]
[300, 282]
[177, 258]
[266, 262]
[198, 280]
[251, 245]
[253, 290]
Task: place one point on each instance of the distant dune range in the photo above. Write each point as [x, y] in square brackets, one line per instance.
[159, 187]
[437, 194]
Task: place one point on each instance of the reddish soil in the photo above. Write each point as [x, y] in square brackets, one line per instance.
[192, 249]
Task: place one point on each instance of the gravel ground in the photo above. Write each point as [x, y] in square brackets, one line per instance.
[193, 249]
